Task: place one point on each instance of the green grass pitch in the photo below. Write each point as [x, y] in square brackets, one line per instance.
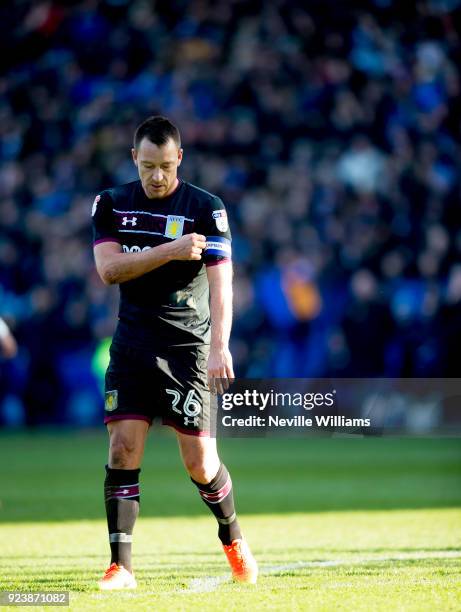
[336, 524]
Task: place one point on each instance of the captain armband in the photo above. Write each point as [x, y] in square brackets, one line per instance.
[218, 246]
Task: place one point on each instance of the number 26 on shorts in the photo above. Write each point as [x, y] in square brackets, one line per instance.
[191, 406]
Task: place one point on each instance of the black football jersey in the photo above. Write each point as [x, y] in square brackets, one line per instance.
[169, 305]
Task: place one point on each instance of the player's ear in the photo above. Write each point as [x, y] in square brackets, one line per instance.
[134, 155]
[180, 152]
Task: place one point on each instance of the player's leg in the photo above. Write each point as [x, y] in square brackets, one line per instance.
[121, 493]
[210, 476]
[128, 414]
[214, 484]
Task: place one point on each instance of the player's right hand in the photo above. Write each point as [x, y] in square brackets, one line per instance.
[188, 247]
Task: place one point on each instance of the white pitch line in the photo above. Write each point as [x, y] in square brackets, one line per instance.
[211, 583]
[205, 585]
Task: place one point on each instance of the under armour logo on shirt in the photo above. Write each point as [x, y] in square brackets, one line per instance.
[132, 221]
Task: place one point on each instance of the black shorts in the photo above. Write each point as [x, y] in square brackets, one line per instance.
[171, 384]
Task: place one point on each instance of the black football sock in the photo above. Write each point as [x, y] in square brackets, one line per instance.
[219, 498]
[121, 494]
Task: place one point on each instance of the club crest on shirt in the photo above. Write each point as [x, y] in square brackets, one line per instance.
[174, 226]
[220, 217]
[111, 402]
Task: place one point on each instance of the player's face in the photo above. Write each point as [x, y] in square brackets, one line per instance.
[157, 167]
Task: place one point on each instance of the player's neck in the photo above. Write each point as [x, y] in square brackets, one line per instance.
[172, 189]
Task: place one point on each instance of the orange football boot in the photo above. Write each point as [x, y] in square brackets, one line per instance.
[243, 564]
[117, 577]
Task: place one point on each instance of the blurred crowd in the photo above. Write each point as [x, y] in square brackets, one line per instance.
[331, 131]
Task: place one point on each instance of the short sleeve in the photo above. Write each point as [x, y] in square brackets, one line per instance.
[104, 229]
[215, 226]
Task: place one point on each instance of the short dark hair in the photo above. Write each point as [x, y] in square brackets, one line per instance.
[158, 130]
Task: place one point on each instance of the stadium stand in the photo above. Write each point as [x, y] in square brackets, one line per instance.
[331, 132]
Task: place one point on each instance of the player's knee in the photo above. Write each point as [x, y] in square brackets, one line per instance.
[200, 471]
[122, 451]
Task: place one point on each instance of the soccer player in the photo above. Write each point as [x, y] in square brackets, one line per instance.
[167, 244]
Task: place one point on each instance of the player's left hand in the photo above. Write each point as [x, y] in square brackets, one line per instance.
[220, 370]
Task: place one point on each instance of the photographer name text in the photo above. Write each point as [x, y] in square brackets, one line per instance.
[296, 421]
